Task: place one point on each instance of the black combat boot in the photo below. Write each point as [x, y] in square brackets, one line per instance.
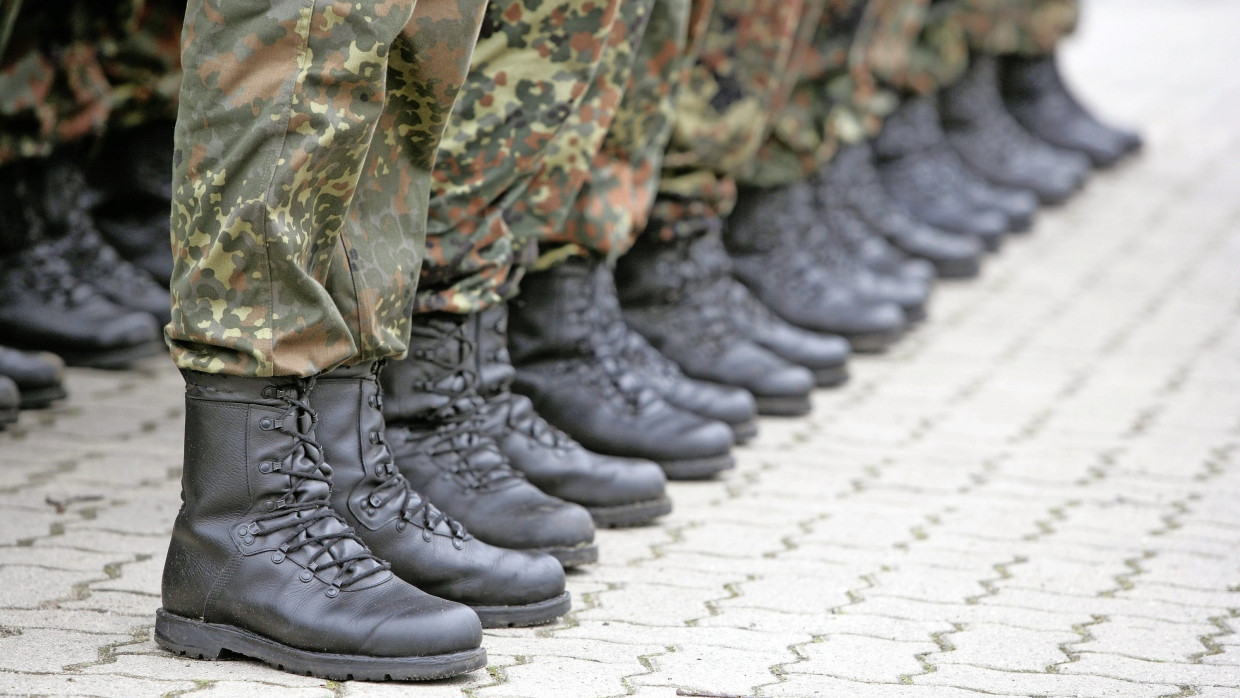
[425, 548]
[10, 400]
[919, 170]
[130, 172]
[92, 259]
[733, 406]
[435, 431]
[864, 241]
[579, 379]
[616, 491]
[769, 237]
[44, 305]
[260, 565]
[838, 245]
[954, 256]
[38, 375]
[1036, 95]
[825, 355]
[675, 294]
[990, 141]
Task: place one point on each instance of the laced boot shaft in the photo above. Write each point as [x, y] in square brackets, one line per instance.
[425, 546]
[675, 293]
[566, 340]
[436, 425]
[260, 563]
[616, 491]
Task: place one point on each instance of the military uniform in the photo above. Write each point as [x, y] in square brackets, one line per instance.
[304, 147]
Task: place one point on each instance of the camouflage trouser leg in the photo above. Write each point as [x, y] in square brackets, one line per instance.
[724, 113]
[52, 87]
[613, 204]
[540, 96]
[956, 27]
[143, 65]
[305, 137]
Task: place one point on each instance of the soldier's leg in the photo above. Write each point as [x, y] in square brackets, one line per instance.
[675, 288]
[304, 142]
[54, 102]
[533, 70]
[1035, 91]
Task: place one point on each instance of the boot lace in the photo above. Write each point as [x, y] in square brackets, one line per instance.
[300, 509]
[457, 442]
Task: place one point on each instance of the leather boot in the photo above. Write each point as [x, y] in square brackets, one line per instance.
[857, 186]
[866, 243]
[825, 355]
[1034, 92]
[130, 172]
[435, 428]
[919, 170]
[580, 381]
[43, 304]
[769, 236]
[92, 259]
[674, 293]
[38, 375]
[616, 491]
[10, 400]
[990, 141]
[735, 407]
[260, 565]
[425, 547]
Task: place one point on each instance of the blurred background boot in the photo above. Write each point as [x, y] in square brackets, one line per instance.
[10, 399]
[991, 142]
[1035, 93]
[39, 375]
[825, 355]
[855, 182]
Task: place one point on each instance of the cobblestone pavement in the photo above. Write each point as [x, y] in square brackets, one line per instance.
[1035, 494]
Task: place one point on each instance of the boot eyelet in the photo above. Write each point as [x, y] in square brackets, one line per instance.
[374, 437]
[269, 505]
[370, 400]
[243, 531]
[426, 535]
[400, 525]
[277, 557]
[264, 467]
[269, 391]
[332, 592]
[267, 424]
[458, 544]
[306, 575]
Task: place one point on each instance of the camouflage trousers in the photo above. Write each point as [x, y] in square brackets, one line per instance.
[556, 140]
[70, 72]
[306, 134]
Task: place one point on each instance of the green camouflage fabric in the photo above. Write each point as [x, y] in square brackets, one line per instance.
[53, 89]
[305, 138]
[612, 206]
[953, 28]
[545, 85]
[143, 65]
[736, 90]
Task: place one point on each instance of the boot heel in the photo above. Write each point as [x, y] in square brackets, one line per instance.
[184, 636]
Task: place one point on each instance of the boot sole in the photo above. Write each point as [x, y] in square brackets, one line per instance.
[8, 416]
[830, 377]
[196, 638]
[112, 358]
[536, 613]
[38, 398]
[957, 268]
[634, 514]
[583, 554]
[696, 468]
[784, 406]
[744, 432]
[915, 314]
[873, 342]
